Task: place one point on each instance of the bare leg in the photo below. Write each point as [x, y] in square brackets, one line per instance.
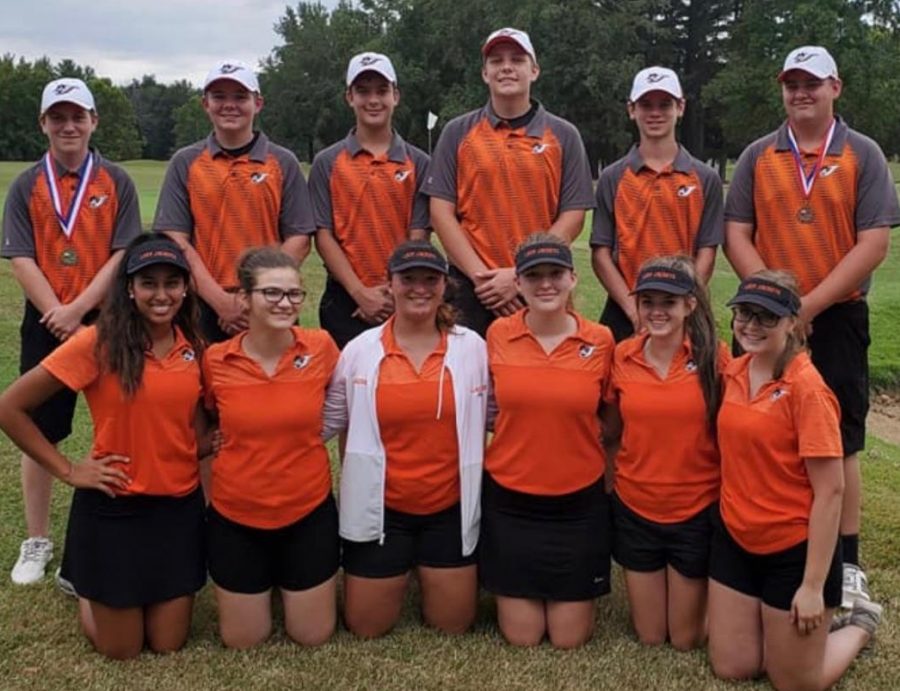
[687, 610]
[647, 594]
[37, 487]
[310, 615]
[244, 620]
[449, 597]
[851, 508]
[570, 624]
[372, 605]
[167, 624]
[522, 621]
[116, 632]
[735, 633]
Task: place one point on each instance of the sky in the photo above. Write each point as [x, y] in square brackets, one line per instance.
[126, 39]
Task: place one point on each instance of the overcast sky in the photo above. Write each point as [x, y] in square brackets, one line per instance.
[125, 39]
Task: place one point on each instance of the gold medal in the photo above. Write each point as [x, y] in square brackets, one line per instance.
[805, 215]
[68, 257]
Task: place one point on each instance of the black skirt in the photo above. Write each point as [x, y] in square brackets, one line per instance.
[133, 551]
[539, 547]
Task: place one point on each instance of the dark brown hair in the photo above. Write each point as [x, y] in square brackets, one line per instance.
[122, 335]
[447, 315]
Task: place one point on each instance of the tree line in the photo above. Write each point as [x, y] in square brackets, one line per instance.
[727, 53]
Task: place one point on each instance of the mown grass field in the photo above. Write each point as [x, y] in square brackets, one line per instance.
[41, 647]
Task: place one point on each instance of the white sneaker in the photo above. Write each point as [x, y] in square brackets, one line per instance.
[65, 585]
[856, 586]
[34, 555]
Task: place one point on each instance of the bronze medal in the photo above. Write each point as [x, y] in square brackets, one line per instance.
[805, 215]
[68, 257]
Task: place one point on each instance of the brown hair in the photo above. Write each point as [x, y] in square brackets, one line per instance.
[700, 326]
[260, 258]
[543, 236]
[796, 338]
[447, 315]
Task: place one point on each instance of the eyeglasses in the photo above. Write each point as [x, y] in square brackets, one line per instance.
[765, 318]
[275, 295]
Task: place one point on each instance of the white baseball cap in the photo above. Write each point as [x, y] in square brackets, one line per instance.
[509, 35]
[814, 60]
[67, 90]
[235, 71]
[655, 79]
[371, 62]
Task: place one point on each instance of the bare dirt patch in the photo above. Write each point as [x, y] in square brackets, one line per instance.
[884, 417]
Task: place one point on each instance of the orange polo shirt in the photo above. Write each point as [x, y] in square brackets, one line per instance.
[108, 220]
[273, 468]
[764, 441]
[642, 213]
[508, 182]
[852, 192]
[154, 428]
[547, 431]
[667, 468]
[422, 451]
[369, 203]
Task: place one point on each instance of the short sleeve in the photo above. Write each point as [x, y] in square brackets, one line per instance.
[74, 362]
[420, 215]
[818, 421]
[576, 189]
[128, 215]
[173, 210]
[440, 180]
[739, 203]
[711, 232]
[18, 233]
[877, 204]
[603, 227]
[296, 214]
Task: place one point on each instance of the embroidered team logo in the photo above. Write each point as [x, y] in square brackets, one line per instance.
[777, 393]
[586, 351]
[686, 190]
[65, 89]
[828, 170]
[539, 148]
[369, 60]
[257, 178]
[188, 356]
[97, 201]
[803, 57]
[301, 361]
[479, 390]
[360, 381]
[228, 68]
[691, 366]
[655, 77]
[401, 175]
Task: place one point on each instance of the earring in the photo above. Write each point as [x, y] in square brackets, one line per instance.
[131, 296]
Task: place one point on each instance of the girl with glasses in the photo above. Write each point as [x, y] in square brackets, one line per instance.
[272, 519]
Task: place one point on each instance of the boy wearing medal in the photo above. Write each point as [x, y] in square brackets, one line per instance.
[229, 192]
[66, 222]
[816, 198]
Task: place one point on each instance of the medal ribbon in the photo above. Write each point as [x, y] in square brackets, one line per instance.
[807, 181]
[67, 220]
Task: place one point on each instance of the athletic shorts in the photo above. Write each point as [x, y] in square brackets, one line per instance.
[298, 556]
[432, 540]
[209, 324]
[537, 547]
[772, 578]
[643, 545]
[135, 550]
[472, 313]
[839, 346]
[54, 416]
[336, 310]
[615, 318]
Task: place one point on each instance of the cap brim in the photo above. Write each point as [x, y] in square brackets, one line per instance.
[662, 287]
[800, 69]
[419, 265]
[157, 261]
[769, 304]
[490, 45]
[537, 261]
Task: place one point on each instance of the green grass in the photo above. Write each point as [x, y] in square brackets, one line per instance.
[42, 648]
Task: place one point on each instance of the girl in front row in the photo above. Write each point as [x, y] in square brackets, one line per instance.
[544, 549]
[134, 543]
[272, 519]
[414, 394]
[664, 394]
[775, 572]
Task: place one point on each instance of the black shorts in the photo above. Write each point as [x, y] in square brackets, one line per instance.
[336, 310]
[472, 313]
[209, 324]
[772, 578]
[134, 551]
[615, 318]
[298, 556]
[643, 545]
[432, 540]
[839, 346]
[544, 547]
[54, 416]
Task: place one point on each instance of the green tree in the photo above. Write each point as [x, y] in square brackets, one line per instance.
[191, 123]
[155, 105]
[117, 135]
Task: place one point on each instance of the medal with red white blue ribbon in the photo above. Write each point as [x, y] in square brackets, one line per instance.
[807, 180]
[67, 219]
